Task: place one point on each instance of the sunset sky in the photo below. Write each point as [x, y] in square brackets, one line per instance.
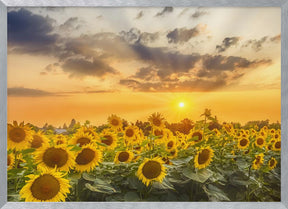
[89, 63]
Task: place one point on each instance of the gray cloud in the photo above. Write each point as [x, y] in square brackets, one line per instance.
[164, 11]
[134, 35]
[198, 13]
[185, 86]
[139, 15]
[30, 33]
[227, 43]
[82, 68]
[182, 35]
[257, 44]
[26, 92]
[70, 24]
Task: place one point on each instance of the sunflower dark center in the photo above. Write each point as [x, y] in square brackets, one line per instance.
[36, 142]
[278, 145]
[156, 121]
[129, 132]
[83, 141]
[123, 156]
[276, 136]
[260, 141]
[170, 144]
[85, 156]
[8, 160]
[151, 169]
[197, 134]
[115, 122]
[173, 152]
[203, 156]
[158, 133]
[17, 135]
[271, 162]
[55, 157]
[45, 187]
[243, 142]
[108, 140]
[59, 142]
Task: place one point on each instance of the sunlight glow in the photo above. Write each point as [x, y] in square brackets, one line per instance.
[181, 104]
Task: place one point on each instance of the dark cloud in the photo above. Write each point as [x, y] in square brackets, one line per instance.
[276, 39]
[164, 11]
[70, 24]
[139, 15]
[182, 35]
[230, 63]
[199, 13]
[257, 44]
[26, 92]
[147, 73]
[185, 86]
[227, 43]
[134, 35]
[82, 68]
[30, 33]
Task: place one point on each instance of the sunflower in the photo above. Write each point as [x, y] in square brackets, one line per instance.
[115, 122]
[173, 153]
[260, 142]
[87, 158]
[108, 137]
[272, 163]
[259, 159]
[39, 140]
[82, 138]
[56, 156]
[49, 186]
[19, 136]
[197, 134]
[151, 170]
[203, 157]
[60, 139]
[130, 133]
[243, 143]
[123, 157]
[276, 145]
[10, 161]
[170, 144]
[277, 136]
[272, 131]
[88, 130]
[157, 121]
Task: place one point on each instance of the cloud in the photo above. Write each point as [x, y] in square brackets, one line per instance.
[165, 11]
[257, 44]
[70, 25]
[26, 92]
[139, 15]
[276, 39]
[198, 13]
[182, 35]
[227, 43]
[134, 35]
[183, 12]
[30, 33]
[81, 68]
[185, 86]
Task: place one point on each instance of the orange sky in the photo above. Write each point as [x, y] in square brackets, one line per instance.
[226, 59]
[228, 106]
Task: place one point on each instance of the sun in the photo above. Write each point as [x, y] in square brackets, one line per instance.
[181, 104]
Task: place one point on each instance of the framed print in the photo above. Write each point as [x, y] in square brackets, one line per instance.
[157, 104]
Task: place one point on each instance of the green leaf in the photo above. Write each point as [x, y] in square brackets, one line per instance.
[26, 151]
[88, 177]
[106, 189]
[131, 197]
[164, 185]
[181, 160]
[76, 148]
[214, 193]
[200, 176]
[101, 144]
[239, 178]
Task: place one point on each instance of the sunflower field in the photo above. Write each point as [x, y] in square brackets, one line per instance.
[145, 161]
